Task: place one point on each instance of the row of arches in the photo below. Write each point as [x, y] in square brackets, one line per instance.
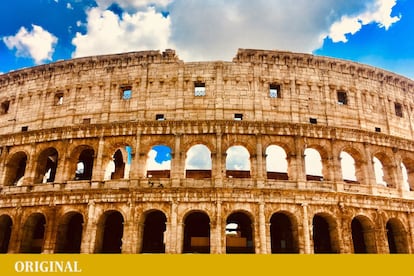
[239, 233]
[199, 163]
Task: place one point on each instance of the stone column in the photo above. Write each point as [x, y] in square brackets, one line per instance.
[49, 240]
[29, 175]
[89, 230]
[62, 164]
[171, 241]
[17, 231]
[262, 229]
[136, 171]
[410, 232]
[216, 238]
[130, 235]
[297, 162]
[306, 230]
[369, 168]
[218, 168]
[3, 169]
[177, 170]
[260, 162]
[98, 167]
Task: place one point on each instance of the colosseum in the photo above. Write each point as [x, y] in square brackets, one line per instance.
[272, 152]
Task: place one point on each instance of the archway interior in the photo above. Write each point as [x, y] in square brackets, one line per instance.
[198, 163]
[348, 167]
[196, 233]
[276, 163]
[47, 166]
[33, 234]
[281, 234]
[112, 233]
[313, 165]
[5, 233]
[396, 236]
[237, 162]
[85, 165]
[322, 240]
[117, 168]
[153, 236]
[69, 235]
[16, 169]
[239, 234]
[159, 162]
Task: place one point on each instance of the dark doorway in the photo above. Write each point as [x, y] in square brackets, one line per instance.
[46, 166]
[396, 235]
[321, 235]
[16, 168]
[33, 234]
[119, 166]
[363, 235]
[239, 234]
[281, 234]
[153, 236]
[5, 233]
[113, 230]
[197, 233]
[69, 235]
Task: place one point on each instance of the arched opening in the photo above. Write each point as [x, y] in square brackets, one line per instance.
[348, 168]
[15, 169]
[46, 166]
[153, 236]
[196, 233]
[282, 234]
[276, 163]
[313, 165]
[33, 234]
[110, 232]
[239, 234]
[159, 162]
[363, 236]
[69, 235]
[379, 171]
[325, 238]
[5, 232]
[407, 168]
[237, 162]
[198, 162]
[397, 237]
[84, 165]
[120, 165]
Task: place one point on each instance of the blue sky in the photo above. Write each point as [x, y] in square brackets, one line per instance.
[375, 32]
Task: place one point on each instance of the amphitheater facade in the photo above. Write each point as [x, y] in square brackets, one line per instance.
[76, 136]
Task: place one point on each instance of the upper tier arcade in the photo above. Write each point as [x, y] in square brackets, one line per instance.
[258, 85]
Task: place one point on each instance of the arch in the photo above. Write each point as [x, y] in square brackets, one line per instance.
[284, 233]
[363, 236]
[313, 164]
[6, 225]
[276, 163]
[15, 169]
[198, 163]
[153, 240]
[407, 167]
[325, 236]
[239, 233]
[348, 167]
[396, 236]
[109, 233]
[383, 170]
[46, 166]
[237, 162]
[69, 233]
[84, 165]
[196, 233]
[159, 162]
[33, 234]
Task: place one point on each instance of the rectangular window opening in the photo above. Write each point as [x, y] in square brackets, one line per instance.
[398, 109]
[199, 89]
[313, 120]
[274, 91]
[238, 117]
[159, 117]
[59, 98]
[377, 129]
[126, 92]
[25, 128]
[4, 108]
[86, 121]
[342, 97]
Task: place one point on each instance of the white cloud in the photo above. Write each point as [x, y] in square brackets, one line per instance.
[238, 158]
[153, 165]
[379, 13]
[37, 44]
[198, 158]
[108, 33]
[132, 4]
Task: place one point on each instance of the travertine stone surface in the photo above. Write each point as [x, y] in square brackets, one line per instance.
[67, 110]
